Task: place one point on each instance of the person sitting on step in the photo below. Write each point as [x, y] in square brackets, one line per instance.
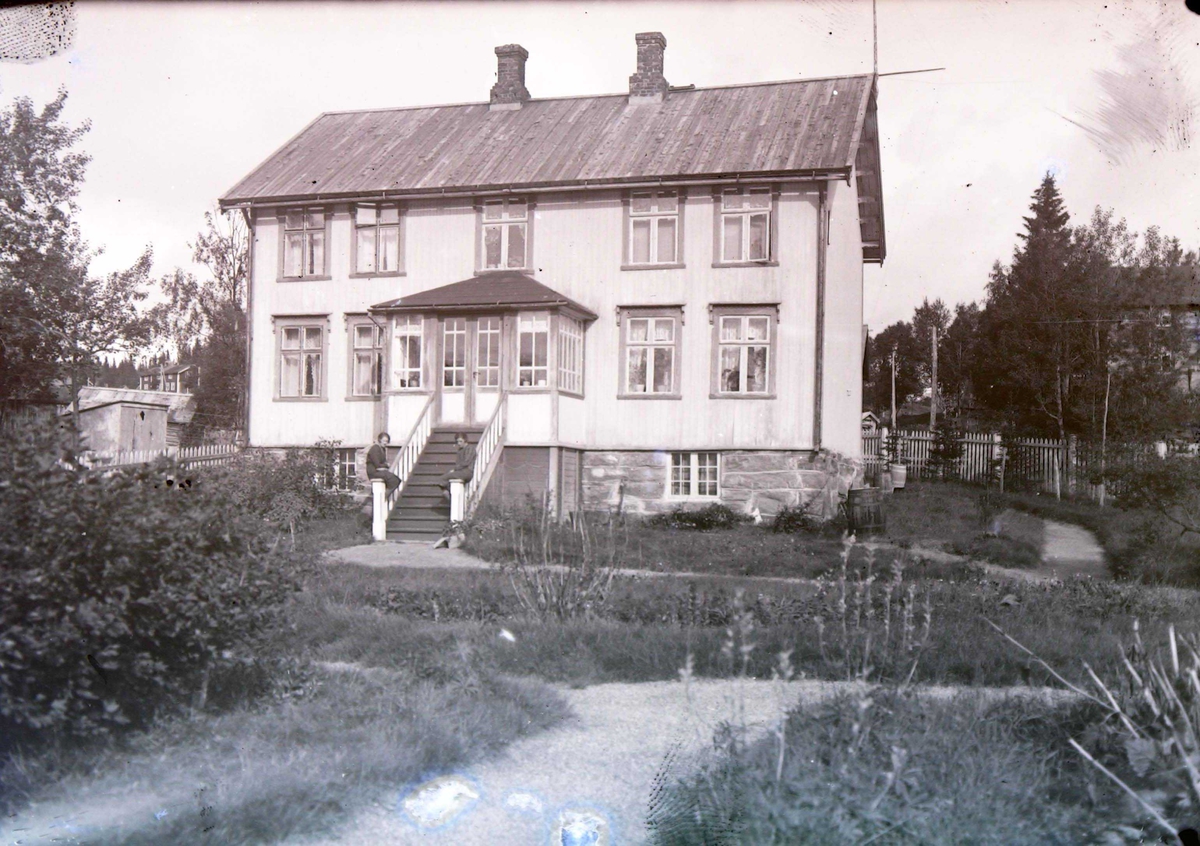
[464, 464]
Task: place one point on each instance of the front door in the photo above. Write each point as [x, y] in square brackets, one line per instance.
[470, 380]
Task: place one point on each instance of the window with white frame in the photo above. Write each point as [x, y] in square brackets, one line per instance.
[408, 350]
[454, 352]
[487, 352]
[376, 239]
[533, 350]
[570, 355]
[694, 474]
[366, 358]
[745, 233]
[505, 228]
[743, 359]
[301, 361]
[650, 352]
[304, 243]
[653, 227]
[341, 471]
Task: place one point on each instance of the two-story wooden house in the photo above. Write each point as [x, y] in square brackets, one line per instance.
[653, 297]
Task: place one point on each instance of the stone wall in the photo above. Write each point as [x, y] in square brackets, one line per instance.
[768, 481]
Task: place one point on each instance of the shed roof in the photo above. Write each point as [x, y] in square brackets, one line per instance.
[164, 368]
[799, 126]
[500, 291]
[180, 407]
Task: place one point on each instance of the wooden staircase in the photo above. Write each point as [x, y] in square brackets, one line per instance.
[422, 512]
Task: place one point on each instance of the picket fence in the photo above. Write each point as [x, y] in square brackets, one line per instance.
[1033, 465]
[204, 455]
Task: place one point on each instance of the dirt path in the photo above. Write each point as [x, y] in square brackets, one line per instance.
[598, 772]
[1071, 551]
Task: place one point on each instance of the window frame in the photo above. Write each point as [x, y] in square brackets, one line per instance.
[694, 480]
[463, 334]
[551, 364]
[280, 323]
[628, 218]
[719, 215]
[341, 473]
[395, 364]
[771, 312]
[624, 315]
[382, 345]
[480, 230]
[305, 211]
[355, 227]
[563, 355]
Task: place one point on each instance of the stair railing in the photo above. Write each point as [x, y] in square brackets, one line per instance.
[403, 466]
[487, 454]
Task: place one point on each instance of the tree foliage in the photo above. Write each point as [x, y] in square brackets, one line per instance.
[56, 320]
[204, 318]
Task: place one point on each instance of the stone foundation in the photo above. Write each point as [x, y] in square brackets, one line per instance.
[767, 480]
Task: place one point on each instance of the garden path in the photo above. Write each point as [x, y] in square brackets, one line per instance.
[1071, 551]
[600, 770]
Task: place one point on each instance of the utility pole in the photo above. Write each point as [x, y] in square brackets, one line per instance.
[933, 383]
[893, 420]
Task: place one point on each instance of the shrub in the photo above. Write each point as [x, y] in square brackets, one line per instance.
[284, 491]
[706, 519]
[121, 590]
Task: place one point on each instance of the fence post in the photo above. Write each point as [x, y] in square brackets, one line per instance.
[379, 509]
[1072, 464]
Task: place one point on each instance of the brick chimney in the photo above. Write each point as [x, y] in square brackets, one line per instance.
[509, 92]
[649, 83]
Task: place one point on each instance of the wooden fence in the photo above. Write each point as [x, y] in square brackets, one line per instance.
[1032, 465]
[206, 454]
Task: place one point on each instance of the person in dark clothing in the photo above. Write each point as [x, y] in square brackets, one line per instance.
[377, 463]
[464, 464]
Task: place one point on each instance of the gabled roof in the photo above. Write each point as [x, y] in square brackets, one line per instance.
[180, 407]
[165, 368]
[500, 291]
[780, 128]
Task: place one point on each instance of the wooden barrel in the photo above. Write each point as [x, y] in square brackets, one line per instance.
[864, 511]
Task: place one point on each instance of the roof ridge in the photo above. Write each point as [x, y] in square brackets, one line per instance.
[674, 91]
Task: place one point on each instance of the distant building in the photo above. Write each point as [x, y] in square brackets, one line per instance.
[169, 378]
[124, 419]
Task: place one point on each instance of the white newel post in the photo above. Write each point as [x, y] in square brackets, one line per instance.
[379, 509]
[458, 502]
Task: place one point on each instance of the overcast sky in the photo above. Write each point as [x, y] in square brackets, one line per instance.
[186, 99]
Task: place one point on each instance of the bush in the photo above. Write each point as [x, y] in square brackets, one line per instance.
[708, 518]
[122, 590]
[286, 491]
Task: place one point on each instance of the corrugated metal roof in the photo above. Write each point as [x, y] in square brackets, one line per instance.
[779, 127]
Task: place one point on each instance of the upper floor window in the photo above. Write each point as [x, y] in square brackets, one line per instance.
[377, 239]
[366, 356]
[744, 233]
[304, 237]
[301, 363]
[650, 352]
[407, 349]
[744, 351]
[533, 350]
[570, 355]
[653, 228]
[505, 233]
